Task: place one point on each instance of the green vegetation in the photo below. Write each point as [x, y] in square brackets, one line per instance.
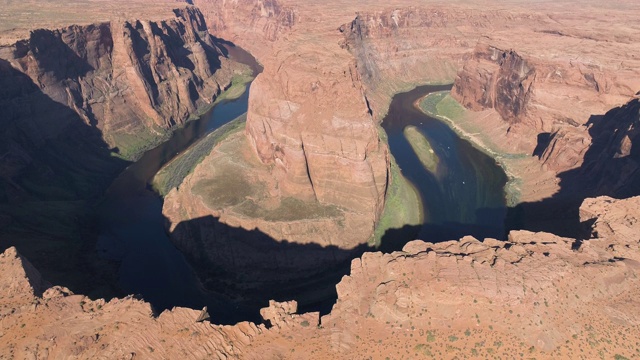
[431, 337]
[422, 148]
[132, 144]
[424, 349]
[227, 189]
[443, 104]
[290, 209]
[172, 174]
[237, 88]
[403, 205]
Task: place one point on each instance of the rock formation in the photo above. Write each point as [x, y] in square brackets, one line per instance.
[315, 146]
[610, 151]
[308, 183]
[536, 294]
[259, 19]
[504, 83]
[530, 92]
[73, 98]
[127, 79]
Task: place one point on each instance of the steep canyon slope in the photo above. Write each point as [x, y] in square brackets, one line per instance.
[79, 101]
[303, 187]
[536, 293]
[309, 193]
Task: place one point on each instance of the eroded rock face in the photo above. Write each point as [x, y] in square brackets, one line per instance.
[472, 284]
[73, 99]
[536, 95]
[535, 293]
[269, 19]
[399, 49]
[130, 80]
[249, 241]
[119, 329]
[309, 127]
[314, 180]
[612, 160]
[498, 79]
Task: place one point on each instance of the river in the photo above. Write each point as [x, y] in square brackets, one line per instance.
[465, 196]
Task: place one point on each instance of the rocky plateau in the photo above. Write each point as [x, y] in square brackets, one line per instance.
[550, 90]
[536, 294]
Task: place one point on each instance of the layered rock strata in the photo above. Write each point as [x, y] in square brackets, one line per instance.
[537, 95]
[314, 145]
[536, 293]
[74, 102]
[126, 79]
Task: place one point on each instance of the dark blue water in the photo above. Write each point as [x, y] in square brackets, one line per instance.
[466, 194]
[132, 227]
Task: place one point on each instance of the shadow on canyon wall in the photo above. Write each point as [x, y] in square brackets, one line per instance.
[611, 167]
[396, 239]
[248, 267]
[52, 164]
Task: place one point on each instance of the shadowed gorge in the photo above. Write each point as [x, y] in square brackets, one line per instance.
[74, 112]
[48, 185]
[272, 179]
[609, 168]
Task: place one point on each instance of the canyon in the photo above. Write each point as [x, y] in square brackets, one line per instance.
[548, 90]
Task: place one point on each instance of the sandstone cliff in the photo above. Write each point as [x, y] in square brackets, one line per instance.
[396, 50]
[504, 83]
[247, 20]
[130, 80]
[308, 194]
[307, 122]
[577, 290]
[537, 94]
[536, 294]
[74, 101]
[306, 115]
[610, 161]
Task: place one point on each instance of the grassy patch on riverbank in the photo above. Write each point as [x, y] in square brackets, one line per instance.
[402, 205]
[172, 174]
[422, 148]
[237, 87]
[289, 209]
[131, 145]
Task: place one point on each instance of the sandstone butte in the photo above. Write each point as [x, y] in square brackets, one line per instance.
[553, 80]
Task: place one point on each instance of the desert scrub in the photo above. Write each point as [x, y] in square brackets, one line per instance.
[173, 173]
[290, 209]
